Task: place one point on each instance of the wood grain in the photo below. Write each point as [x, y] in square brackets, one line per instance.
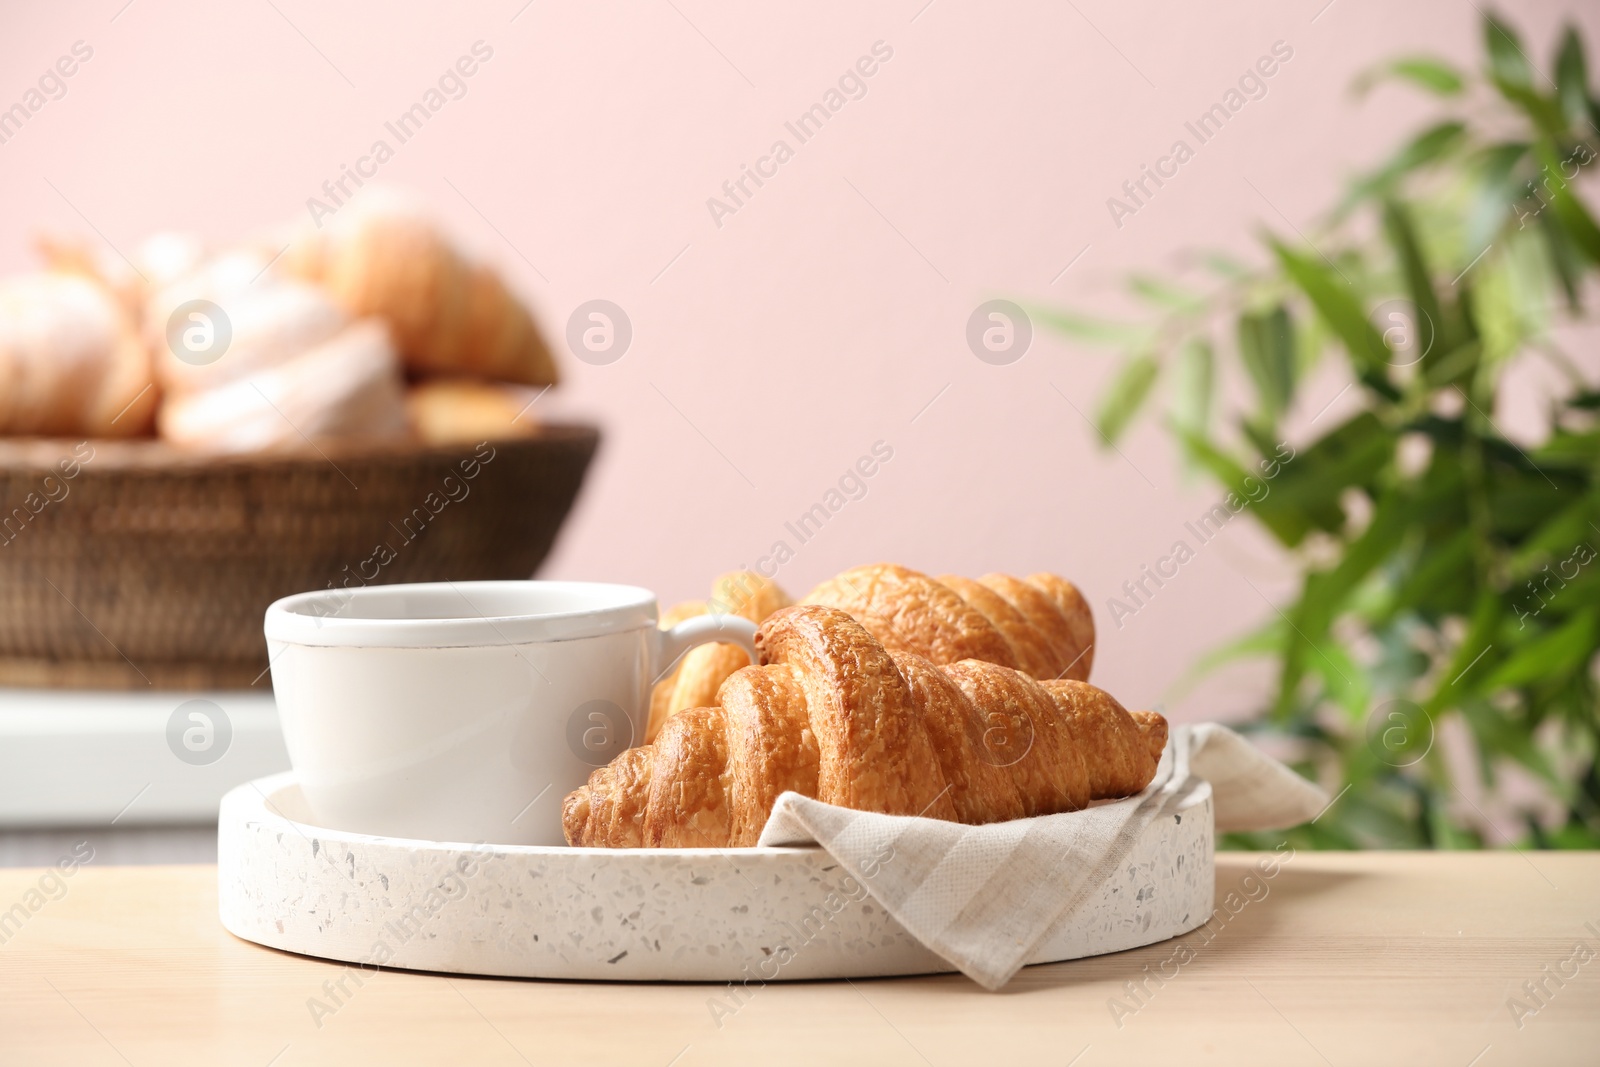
[1340, 958]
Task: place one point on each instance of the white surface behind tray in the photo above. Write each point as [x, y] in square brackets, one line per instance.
[83, 758]
[634, 914]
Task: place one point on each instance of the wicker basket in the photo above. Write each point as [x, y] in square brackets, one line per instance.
[127, 564]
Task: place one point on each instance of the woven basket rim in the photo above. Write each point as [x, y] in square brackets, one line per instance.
[28, 454]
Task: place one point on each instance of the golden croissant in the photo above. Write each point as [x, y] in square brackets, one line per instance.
[448, 315]
[1040, 625]
[833, 714]
[697, 677]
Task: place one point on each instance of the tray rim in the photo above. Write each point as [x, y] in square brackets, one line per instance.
[329, 923]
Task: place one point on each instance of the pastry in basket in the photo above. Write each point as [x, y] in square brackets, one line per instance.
[71, 361]
[292, 370]
[157, 261]
[382, 255]
[695, 680]
[831, 713]
[458, 411]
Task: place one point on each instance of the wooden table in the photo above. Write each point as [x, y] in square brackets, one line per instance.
[1343, 958]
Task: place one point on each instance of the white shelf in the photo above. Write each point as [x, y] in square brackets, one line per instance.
[81, 758]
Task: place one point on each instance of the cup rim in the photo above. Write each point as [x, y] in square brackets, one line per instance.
[293, 620]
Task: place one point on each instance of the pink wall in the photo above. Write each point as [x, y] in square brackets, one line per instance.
[829, 310]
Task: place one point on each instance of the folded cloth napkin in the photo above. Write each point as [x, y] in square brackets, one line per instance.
[983, 897]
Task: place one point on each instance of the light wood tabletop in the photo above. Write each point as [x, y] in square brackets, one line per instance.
[1480, 959]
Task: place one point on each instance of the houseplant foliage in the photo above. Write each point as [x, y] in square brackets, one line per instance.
[1449, 579]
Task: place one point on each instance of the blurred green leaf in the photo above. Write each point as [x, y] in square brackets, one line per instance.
[1497, 315]
[1560, 534]
[1522, 504]
[1495, 194]
[1266, 345]
[1264, 438]
[1429, 329]
[1088, 329]
[1563, 259]
[1427, 147]
[1311, 485]
[1550, 656]
[1435, 75]
[1443, 564]
[1287, 524]
[1121, 402]
[1511, 73]
[1508, 63]
[1192, 383]
[1330, 294]
[1451, 367]
[1223, 265]
[1575, 448]
[1165, 295]
[1574, 216]
[1326, 591]
[1572, 79]
[1544, 110]
[1474, 656]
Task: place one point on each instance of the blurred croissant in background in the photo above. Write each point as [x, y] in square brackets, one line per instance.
[295, 367]
[375, 329]
[382, 256]
[71, 361]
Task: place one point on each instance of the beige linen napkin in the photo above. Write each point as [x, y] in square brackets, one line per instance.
[983, 896]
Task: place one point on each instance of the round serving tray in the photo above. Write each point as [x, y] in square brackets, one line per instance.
[713, 915]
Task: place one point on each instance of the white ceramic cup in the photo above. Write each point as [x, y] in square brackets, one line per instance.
[467, 711]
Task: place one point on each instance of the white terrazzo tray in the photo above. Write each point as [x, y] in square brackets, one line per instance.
[713, 915]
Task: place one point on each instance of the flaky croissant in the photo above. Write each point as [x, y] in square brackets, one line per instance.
[383, 256]
[1042, 626]
[832, 714]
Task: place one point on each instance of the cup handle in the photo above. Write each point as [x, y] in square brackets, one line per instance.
[671, 644]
